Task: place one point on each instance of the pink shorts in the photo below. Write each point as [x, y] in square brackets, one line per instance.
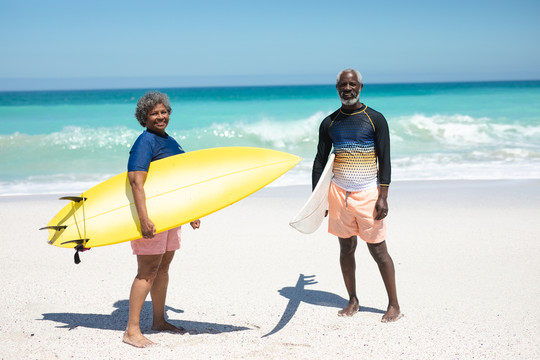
[164, 241]
[353, 213]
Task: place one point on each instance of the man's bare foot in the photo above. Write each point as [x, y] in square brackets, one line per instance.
[137, 340]
[351, 309]
[392, 314]
[165, 326]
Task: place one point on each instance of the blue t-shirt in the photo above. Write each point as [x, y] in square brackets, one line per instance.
[149, 147]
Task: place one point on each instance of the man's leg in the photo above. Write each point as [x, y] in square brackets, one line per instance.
[379, 252]
[348, 269]
[158, 292]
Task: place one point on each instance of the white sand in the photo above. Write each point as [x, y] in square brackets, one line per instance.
[467, 264]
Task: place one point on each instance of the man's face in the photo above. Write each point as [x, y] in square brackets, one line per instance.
[349, 88]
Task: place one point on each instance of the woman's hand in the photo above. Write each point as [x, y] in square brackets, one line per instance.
[148, 229]
[195, 224]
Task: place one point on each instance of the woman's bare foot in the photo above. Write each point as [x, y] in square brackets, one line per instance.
[351, 309]
[165, 326]
[137, 340]
[392, 314]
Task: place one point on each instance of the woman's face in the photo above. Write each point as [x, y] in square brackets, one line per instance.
[157, 119]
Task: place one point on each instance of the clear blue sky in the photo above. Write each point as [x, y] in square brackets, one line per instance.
[94, 43]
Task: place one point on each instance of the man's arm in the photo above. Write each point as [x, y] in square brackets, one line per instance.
[382, 146]
[323, 151]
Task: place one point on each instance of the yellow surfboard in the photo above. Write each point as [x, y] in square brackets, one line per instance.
[179, 189]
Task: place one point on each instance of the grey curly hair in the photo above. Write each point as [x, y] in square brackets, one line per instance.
[149, 101]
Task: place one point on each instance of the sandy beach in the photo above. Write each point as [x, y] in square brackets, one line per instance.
[248, 286]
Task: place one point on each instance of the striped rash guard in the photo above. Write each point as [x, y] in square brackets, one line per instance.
[361, 142]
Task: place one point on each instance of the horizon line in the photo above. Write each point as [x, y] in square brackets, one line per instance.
[135, 85]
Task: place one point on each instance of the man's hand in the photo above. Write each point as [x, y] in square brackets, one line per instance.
[381, 206]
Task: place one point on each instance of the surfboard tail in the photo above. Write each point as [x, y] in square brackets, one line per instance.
[56, 230]
[312, 214]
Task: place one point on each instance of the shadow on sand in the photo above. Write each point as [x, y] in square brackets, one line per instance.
[299, 294]
[117, 320]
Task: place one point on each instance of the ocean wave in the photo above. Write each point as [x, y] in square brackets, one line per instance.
[449, 168]
[62, 184]
[264, 132]
[423, 148]
[410, 135]
[71, 138]
[462, 131]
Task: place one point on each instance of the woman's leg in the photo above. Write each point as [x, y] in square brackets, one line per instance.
[159, 295]
[148, 266]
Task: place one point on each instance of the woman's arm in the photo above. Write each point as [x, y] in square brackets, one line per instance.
[137, 180]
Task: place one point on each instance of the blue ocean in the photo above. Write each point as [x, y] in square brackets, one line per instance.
[64, 142]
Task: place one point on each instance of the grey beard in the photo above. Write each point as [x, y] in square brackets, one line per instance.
[351, 101]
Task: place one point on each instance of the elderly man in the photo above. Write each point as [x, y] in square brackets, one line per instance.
[359, 190]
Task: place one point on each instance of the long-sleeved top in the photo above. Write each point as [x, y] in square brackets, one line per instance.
[361, 144]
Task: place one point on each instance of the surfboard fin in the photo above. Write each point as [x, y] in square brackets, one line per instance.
[79, 248]
[54, 227]
[78, 241]
[73, 198]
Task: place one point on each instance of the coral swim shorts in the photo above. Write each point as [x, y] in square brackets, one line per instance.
[164, 241]
[352, 213]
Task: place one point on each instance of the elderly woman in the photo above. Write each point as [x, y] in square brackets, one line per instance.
[154, 251]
